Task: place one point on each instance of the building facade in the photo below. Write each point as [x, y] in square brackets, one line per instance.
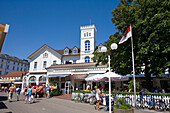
[69, 66]
[10, 64]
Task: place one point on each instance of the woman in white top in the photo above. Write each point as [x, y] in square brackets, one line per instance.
[98, 97]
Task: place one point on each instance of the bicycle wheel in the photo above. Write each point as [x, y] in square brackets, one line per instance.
[160, 106]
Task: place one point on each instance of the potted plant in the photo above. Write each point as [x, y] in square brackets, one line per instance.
[122, 107]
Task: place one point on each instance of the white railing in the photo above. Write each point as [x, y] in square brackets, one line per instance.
[129, 98]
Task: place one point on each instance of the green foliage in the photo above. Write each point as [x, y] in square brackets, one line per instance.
[54, 82]
[121, 104]
[131, 85]
[150, 21]
[55, 92]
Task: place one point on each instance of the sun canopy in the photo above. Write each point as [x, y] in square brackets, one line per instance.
[56, 75]
[105, 77]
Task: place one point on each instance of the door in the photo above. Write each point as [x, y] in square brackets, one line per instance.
[68, 87]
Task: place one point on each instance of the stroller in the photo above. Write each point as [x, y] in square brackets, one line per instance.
[107, 103]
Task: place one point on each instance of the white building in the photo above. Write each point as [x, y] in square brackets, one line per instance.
[69, 66]
[10, 64]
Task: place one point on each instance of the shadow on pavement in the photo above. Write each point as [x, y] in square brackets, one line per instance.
[3, 106]
[2, 98]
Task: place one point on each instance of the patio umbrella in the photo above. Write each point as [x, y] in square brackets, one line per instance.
[114, 77]
[105, 77]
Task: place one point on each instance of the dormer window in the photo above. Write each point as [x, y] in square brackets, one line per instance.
[45, 55]
[66, 52]
[75, 51]
[99, 49]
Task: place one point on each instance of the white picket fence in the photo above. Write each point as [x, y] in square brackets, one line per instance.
[129, 98]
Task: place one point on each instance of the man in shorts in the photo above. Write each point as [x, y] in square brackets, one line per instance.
[11, 91]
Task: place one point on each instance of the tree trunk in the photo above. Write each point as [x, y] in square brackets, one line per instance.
[148, 77]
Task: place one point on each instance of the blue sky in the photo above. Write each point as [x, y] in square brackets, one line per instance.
[56, 23]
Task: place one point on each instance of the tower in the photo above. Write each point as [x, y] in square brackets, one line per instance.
[88, 43]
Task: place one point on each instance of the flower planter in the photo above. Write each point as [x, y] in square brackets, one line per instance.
[123, 110]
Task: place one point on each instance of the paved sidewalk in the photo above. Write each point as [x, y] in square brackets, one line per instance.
[51, 105]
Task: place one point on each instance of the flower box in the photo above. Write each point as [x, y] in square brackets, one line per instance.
[123, 110]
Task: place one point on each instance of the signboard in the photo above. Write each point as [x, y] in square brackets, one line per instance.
[3, 32]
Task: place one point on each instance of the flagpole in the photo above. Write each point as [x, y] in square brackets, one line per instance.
[133, 70]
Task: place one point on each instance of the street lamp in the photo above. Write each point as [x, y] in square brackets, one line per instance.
[104, 49]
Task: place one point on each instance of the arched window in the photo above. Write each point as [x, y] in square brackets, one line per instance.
[87, 45]
[87, 59]
[32, 79]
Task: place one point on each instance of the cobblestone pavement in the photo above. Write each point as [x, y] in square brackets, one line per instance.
[51, 105]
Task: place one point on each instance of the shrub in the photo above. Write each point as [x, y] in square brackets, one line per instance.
[131, 85]
[121, 104]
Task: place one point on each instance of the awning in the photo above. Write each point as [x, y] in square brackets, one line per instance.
[88, 78]
[57, 75]
[79, 76]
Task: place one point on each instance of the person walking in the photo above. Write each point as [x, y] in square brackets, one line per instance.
[26, 94]
[37, 91]
[98, 97]
[33, 94]
[48, 91]
[11, 91]
[6, 89]
[18, 90]
[29, 94]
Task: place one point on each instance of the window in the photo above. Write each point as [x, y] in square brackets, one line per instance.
[35, 65]
[8, 62]
[54, 62]
[17, 68]
[44, 64]
[7, 67]
[1, 66]
[66, 52]
[89, 34]
[21, 64]
[74, 61]
[45, 55]
[13, 68]
[84, 34]
[87, 59]
[74, 51]
[0, 72]
[18, 64]
[99, 49]
[21, 69]
[87, 45]
[2, 60]
[67, 62]
[14, 63]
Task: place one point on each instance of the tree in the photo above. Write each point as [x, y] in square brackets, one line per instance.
[150, 21]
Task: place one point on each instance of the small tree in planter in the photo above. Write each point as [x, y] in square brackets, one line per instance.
[122, 107]
[131, 85]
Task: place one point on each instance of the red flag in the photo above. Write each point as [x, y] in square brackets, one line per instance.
[127, 34]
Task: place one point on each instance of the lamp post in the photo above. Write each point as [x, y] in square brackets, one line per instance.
[104, 49]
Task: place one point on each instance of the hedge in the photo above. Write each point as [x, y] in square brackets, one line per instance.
[126, 93]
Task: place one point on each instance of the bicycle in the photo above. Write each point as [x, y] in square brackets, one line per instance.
[162, 105]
